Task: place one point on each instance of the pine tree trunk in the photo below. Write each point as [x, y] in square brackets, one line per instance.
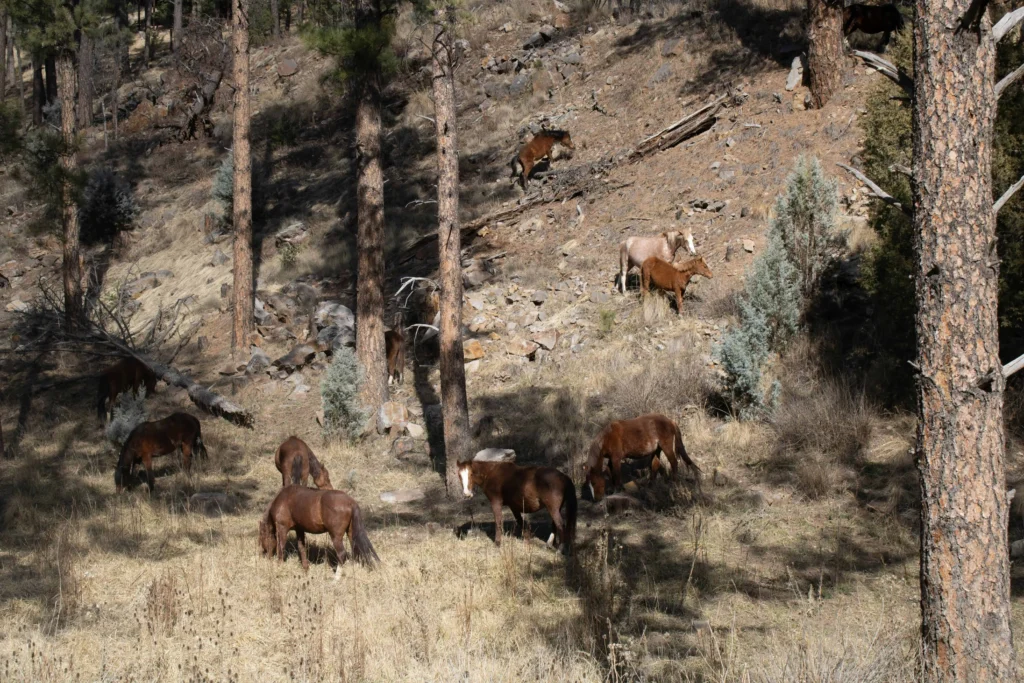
[275, 20]
[38, 91]
[965, 572]
[370, 238]
[69, 207]
[454, 405]
[242, 208]
[3, 54]
[148, 47]
[176, 29]
[51, 79]
[19, 77]
[300, 11]
[825, 54]
[85, 81]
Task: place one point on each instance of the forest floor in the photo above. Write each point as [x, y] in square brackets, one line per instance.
[796, 560]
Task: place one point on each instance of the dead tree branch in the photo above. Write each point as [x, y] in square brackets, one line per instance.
[875, 189]
[887, 69]
[685, 128]
[1008, 80]
[1012, 190]
[1006, 24]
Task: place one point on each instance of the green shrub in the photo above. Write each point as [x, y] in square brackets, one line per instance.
[41, 171]
[107, 207]
[805, 219]
[339, 392]
[128, 413]
[224, 186]
[10, 130]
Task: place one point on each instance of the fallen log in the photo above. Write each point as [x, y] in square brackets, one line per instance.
[685, 128]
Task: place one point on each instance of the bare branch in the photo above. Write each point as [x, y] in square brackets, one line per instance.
[1008, 80]
[900, 168]
[875, 189]
[1007, 195]
[1013, 366]
[1006, 24]
[887, 69]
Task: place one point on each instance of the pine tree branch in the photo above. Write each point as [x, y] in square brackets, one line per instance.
[876, 190]
[887, 69]
[1008, 80]
[1006, 24]
[1007, 195]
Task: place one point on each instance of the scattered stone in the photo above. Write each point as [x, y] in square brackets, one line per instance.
[296, 233]
[495, 455]
[258, 361]
[748, 246]
[202, 344]
[476, 301]
[599, 297]
[287, 67]
[520, 84]
[547, 339]
[539, 297]
[212, 504]
[717, 205]
[231, 368]
[663, 73]
[146, 282]
[402, 496]
[415, 431]
[17, 306]
[730, 142]
[334, 313]
[744, 212]
[796, 74]
[670, 48]
[716, 165]
[219, 258]
[298, 357]
[259, 312]
[473, 366]
[798, 102]
[726, 174]
[548, 31]
[473, 350]
[521, 347]
[391, 414]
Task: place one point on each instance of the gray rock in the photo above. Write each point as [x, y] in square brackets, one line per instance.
[547, 339]
[225, 291]
[298, 357]
[548, 31]
[535, 40]
[415, 431]
[402, 496]
[219, 258]
[287, 67]
[599, 297]
[521, 84]
[259, 312]
[391, 414]
[334, 313]
[258, 361]
[717, 205]
[572, 58]
[539, 297]
[522, 347]
[663, 73]
[796, 74]
[346, 338]
[670, 48]
[495, 455]
[296, 233]
[17, 306]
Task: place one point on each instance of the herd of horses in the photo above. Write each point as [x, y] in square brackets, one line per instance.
[305, 510]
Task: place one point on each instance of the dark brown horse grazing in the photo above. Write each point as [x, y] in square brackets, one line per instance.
[124, 375]
[671, 277]
[872, 19]
[394, 344]
[296, 462]
[309, 511]
[636, 438]
[162, 437]
[539, 147]
[524, 489]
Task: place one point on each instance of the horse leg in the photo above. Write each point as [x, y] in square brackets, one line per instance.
[669, 449]
[520, 527]
[496, 508]
[339, 552]
[558, 536]
[615, 465]
[282, 536]
[679, 300]
[147, 462]
[186, 458]
[300, 539]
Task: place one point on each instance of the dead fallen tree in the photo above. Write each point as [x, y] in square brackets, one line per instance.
[685, 128]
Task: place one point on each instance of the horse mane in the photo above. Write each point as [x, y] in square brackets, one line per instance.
[314, 466]
[296, 471]
[553, 132]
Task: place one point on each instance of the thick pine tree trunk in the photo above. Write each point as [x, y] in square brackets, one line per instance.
[19, 77]
[370, 238]
[965, 572]
[176, 28]
[275, 19]
[38, 91]
[69, 207]
[825, 54]
[242, 217]
[454, 405]
[3, 54]
[85, 81]
[149, 46]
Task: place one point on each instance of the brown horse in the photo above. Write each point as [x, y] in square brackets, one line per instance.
[632, 439]
[162, 437]
[296, 462]
[394, 344]
[670, 277]
[124, 375]
[309, 511]
[524, 489]
[539, 147]
[872, 19]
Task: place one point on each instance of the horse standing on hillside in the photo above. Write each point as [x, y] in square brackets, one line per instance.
[296, 462]
[179, 431]
[539, 147]
[128, 374]
[524, 489]
[632, 439]
[309, 511]
[671, 277]
[633, 251]
[872, 19]
[394, 346]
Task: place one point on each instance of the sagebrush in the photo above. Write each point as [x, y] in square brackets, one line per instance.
[339, 392]
[128, 413]
[224, 186]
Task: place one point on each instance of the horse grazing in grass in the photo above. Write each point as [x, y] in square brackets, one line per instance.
[162, 437]
[128, 374]
[309, 511]
[394, 345]
[524, 489]
[296, 462]
[637, 438]
[872, 19]
[633, 251]
[539, 147]
[671, 277]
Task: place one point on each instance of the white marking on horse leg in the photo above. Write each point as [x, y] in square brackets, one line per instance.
[665, 463]
[551, 538]
[593, 496]
[337, 573]
[390, 379]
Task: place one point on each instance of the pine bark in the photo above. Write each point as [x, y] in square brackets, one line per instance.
[38, 91]
[825, 53]
[69, 207]
[965, 572]
[275, 18]
[149, 46]
[370, 236]
[454, 404]
[85, 81]
[176, 29]
[242, 216]
[3, 54]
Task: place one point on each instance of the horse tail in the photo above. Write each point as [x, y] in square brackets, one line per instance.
[297, 470]
[681, 452]
[569, 503]
[362, 549]
[197, 444]
[124, 464]
[899, 18]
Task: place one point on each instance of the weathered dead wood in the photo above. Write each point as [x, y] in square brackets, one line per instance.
[1008, 80]
[1013, 366]
[1006, 24]
[876, 190]
[685, 128]
[887, 69]
[1012, 190]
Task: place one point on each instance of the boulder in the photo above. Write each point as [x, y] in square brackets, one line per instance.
[334, 313]
[258, 361]
[298, 357]
[415, 431]
[663, 73]
[287, 67]
[600, 298]
[296, 233]
[796, 74]
[259, 312]
[547, 339]
[391, 414]
[17, 306]
[670, 48]
[219, 258]
[539, 297]
[522, 347]
[473, 350]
